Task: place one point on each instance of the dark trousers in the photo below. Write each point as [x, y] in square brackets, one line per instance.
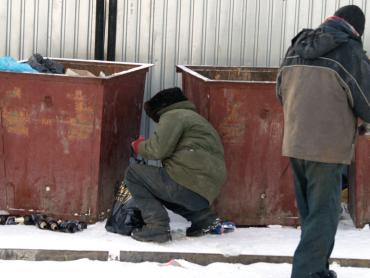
[318, 191]
[153, 190]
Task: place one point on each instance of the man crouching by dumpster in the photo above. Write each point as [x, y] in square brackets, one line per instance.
[192, 174]
[324, 86]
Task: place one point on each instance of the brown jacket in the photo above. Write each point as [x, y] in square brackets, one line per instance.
[324, 86]
[319, 124]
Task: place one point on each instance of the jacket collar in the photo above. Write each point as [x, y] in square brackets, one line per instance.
[178, 105]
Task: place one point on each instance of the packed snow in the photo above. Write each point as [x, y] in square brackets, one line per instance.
[272, 240]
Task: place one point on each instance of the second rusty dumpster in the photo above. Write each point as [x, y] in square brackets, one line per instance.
[359, 188]
[240, 103]
[65, 140]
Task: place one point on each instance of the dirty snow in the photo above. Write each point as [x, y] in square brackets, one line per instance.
[273, 240]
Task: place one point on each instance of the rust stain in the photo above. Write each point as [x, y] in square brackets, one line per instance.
[16, 120]
[82, 125]
[232, 128]
[16, 93]
[47, 121]
[78, 122]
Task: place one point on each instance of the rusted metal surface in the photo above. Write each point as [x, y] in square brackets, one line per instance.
[359, 189]
[247, 115]
[64, 140]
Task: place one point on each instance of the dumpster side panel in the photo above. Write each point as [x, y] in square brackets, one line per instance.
[359, 199]
[198, 92]
[51, 144]
[259, 188]
[123, 101]
[2, 164]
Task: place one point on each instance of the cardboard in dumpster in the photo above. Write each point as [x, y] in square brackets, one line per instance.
[78, 72]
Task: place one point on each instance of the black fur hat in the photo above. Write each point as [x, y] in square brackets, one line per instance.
[354, 16]
[161, 100]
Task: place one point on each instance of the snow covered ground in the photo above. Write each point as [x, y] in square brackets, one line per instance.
[274, 240]
[179, 269]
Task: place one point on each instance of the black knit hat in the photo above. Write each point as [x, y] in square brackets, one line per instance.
[161, 100]
[354, 16]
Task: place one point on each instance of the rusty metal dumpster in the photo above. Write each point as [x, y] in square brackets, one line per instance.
[359, 188]
[240, 103]
[64, 140]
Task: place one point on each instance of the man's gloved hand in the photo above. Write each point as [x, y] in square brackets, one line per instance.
[135, 144]
[364, 128]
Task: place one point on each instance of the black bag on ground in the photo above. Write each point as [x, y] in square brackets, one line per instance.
[125, 216]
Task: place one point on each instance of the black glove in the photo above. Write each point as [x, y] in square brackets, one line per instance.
[364, 128]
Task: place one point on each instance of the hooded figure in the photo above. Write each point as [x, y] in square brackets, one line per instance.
[193, 171]
[324, 86]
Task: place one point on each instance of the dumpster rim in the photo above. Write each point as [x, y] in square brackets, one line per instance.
[186, 69]
[140, 66]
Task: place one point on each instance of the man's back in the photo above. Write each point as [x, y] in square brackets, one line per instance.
[322, 87]
[190, 149]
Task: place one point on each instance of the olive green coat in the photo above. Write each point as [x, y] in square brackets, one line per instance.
[189, 148]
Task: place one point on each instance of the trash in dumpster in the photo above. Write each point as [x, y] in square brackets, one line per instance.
[78, 72]
[8, 63]
[41, 64]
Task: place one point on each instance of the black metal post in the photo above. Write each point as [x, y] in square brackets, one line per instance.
[112, 29]
[99, 30]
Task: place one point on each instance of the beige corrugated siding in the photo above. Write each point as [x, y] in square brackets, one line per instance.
[166, 32]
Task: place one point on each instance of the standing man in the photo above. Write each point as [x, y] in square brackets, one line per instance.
[192, 174]
[324, 86]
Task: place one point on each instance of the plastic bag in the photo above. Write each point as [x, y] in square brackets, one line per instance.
[41, 64]
[125, 216]
[8, 63]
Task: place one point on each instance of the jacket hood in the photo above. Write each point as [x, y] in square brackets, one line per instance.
[311, 44]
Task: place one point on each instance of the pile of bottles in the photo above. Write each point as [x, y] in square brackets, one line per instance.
[44, 222]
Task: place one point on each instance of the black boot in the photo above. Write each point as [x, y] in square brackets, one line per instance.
[202, 227]
[151, 233]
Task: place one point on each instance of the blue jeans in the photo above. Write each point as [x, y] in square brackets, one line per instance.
[318, 192]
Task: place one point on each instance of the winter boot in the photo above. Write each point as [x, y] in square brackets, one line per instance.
[151, 233]
[202, 227]
[324, 274]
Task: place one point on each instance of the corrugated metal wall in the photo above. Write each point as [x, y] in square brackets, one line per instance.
[63, 28]
[166, 32]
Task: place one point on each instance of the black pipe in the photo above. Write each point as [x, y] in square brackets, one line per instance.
[99, 30]
[112, 29]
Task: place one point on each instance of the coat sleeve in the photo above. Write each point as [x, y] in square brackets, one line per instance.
[361, 97]
[164, 140]
[278, 86]
[279, 77]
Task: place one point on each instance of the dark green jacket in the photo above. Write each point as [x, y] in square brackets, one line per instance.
[189, 148]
